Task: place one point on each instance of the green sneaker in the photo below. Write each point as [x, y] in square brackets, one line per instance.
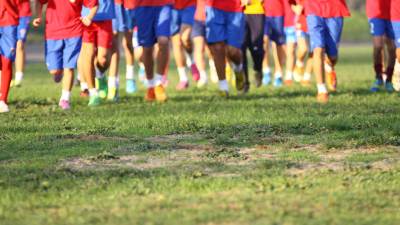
[112, 94]
[94, 101]
[102, 87]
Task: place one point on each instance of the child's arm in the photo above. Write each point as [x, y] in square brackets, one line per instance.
[39, 12]
[10, 9]
[87, 20]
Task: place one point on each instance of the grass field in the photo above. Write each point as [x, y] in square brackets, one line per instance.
[270, 157]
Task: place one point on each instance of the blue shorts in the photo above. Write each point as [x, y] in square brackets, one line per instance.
[274, 29]
[62, 54]
[325, 33]
[199, 29]
[290, 35]
[130, 18]
[153, 22]
[381, 27]
[23, 28]
[180, 17]
[396, 31]
[222, 26]
[8, 41]
[302, 34]
[119, 22]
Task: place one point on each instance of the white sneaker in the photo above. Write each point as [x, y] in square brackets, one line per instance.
[4, 107]
[202, 83]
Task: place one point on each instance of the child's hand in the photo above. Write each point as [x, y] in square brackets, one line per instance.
[86, 21]
[36, 22]
[245, 2]
[72, 1]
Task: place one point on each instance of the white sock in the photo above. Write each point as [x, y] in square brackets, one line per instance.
[112, 82]
[237, 68]
[203, 75]
[99, 74]
[19, 76]
[65, 95]
[278, 75]
[307, 76]
[299, 64]
[182, 74]
[266, 70]
[84, 86]
[150, 83]
[141, 66]
[93, 92]
[328, 68]
[223, 85]
[289, 75]
[189, 60]
[211, 63]
[158, 79]
[130, 71]
[322, 88]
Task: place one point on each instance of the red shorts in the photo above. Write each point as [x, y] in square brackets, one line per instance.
[99, 33]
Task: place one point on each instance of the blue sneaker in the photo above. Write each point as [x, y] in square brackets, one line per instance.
[389, 87]
[278, 82]
[266, 78]
[142, 75]
[377, 85]
[130, 86]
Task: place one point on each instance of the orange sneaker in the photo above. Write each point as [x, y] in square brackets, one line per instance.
[305, 83]
[288, 82]
[160, 94]
[331, 81]
[323, 98]
[298, 73]
[150, 95]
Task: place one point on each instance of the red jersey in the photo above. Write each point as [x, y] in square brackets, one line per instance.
[378, 9]
[128, 4]
[226, 5]
[7, 18]
[140, 3]
[24, 8]
[327, 8]
[63, 18]
[182, 4]
[395, 10]
[274, 8]
[200, 11]
[290, 16]
[119, 2]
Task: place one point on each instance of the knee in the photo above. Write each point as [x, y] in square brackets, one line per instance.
[234, 52]
[55, 72]
[102, 60]
[163, 43]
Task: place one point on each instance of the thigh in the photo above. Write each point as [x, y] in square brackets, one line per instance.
[256, 29]
[145, 19]
[175, 21]
[216, 30]
[105, 35]
[8, 41]
[23, 28]
[316, 30]
[199, 29]
[72, 47]
[396, 31]
[235, 29]
[54, 54]
[163, 22]
[187, 15]
[334, 28]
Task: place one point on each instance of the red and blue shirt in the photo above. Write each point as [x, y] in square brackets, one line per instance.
[327, 8]
[274, 8]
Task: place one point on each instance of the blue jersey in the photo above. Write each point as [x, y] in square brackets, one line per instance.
[106, 11]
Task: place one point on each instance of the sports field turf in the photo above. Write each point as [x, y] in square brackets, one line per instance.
[270, 157]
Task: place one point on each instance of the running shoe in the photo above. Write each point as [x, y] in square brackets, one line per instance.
[130, 86]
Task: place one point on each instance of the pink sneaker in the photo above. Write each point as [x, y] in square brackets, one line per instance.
[195, 72]
[165, 81]
[182, 85]
[64, 104]
[58, 78]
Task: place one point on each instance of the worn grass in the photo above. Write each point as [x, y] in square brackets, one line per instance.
[270, 157]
